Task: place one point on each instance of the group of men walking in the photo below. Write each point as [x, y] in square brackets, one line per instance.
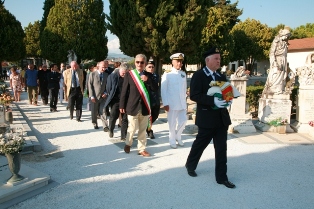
[133, 96]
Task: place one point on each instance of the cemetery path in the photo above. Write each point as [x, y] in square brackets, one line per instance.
[92, 171]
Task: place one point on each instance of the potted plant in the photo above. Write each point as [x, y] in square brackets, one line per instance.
[11, 145]
[5, 100]
[280, 124]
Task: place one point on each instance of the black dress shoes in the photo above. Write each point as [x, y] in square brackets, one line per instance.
[96, 127]
[151, 134]
[78, 120]
[71, 117]
[227, 184]
[191, 172]
[110, 134]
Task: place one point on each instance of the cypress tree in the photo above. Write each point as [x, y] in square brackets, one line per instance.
[32, 40]
[158, 28]
[11, 37]
[75, 25]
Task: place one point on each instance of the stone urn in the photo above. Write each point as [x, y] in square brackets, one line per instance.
[9, 116]
[281, 129]
[14, 161]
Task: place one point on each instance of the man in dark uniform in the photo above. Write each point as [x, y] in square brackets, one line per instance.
[43, 84]
[212, 118]
[154, 96]
[53, 78]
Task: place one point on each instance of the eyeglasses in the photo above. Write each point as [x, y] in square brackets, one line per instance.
[139, 62]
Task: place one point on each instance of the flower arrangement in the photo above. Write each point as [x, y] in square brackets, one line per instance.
[311, 123]
[278, 122]
[12, 141]
[6, 98]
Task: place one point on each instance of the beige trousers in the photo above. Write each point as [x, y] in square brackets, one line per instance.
[137, 122]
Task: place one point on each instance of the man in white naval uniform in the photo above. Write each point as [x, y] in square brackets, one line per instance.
[173, 93]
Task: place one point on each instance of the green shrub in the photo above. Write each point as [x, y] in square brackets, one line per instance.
[253, 93]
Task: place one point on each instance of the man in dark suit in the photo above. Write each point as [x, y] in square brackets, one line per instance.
[43, 84]
[212, 118]
[134, 101]
[114, 87]
[97, 92]
[109, 70]
[53, 78]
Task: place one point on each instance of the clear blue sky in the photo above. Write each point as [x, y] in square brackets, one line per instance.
[271, 12]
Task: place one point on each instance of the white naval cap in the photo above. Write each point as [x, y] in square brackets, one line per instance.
[177, 56]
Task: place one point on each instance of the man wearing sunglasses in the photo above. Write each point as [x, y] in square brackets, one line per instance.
[173, 94]
[135, 102]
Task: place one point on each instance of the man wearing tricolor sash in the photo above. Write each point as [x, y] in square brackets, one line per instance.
[135, 102]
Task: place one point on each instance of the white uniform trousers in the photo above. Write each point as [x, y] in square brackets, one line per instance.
[137, 122]
[179, 118]
[61, 91]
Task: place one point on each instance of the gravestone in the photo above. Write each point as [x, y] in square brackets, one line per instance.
[240, 119]
[3, 124]
[305, 100]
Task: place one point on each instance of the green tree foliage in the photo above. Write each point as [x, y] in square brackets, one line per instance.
[303, 31]
[75, 25]
[32, 40]
[48, 4]
[11, 36]
[252, 42]
[158, 28]
[221, 19]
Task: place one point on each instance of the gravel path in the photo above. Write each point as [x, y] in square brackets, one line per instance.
[92, 171]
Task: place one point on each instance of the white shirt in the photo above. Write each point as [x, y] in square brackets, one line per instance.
[173, 89]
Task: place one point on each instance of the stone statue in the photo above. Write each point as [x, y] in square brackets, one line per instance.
[306, 74]
[240, 72]
[276, 80]
[309, 59]
[71, 56]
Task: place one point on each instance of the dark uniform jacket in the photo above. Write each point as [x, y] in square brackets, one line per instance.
[154, 95]
[206, 116]
[43, 78]
[53, 80]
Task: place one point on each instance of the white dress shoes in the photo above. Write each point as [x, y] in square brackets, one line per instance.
[180, 143]
[173, 146]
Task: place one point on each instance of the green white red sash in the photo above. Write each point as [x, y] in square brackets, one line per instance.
[143, 92]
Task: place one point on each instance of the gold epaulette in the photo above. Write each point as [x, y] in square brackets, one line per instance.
[167, 71]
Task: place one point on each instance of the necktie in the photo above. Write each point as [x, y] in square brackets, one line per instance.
[216, 76]
[74, 79]
[101, 77]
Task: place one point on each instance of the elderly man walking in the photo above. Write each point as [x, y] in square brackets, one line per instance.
[73, 79]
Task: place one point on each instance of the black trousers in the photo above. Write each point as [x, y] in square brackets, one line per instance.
[44, 94]
[114, 115]
[76, 98]
[155, 112]
[53, 98]
[203, 138]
